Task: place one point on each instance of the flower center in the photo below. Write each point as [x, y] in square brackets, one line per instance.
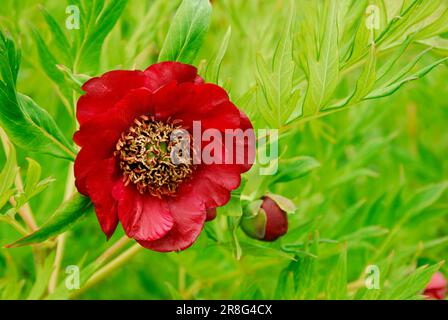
[144, 152]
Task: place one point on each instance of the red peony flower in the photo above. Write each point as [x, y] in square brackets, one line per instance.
[436, 288]
[126, 119]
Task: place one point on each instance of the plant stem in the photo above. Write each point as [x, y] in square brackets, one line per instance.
[112, 250]
[109, 268]
[57, 263]
[69, 186]
[11, 221]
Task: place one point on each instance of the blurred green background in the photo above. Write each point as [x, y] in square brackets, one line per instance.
[375, 158]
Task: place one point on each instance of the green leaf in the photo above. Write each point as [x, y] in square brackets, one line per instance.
[43, 274]
[324, 69]
[305, 276]
[294, 168]
[32, 185]
[59, 37]
[7, 176]
[233, 223]
[337, 284]
[392, 88]
[27, 125]
[187, 31]
[49, 66]
[101, 21]
[37, 131]
[411, 286]
[284, 203]
[214, 66]
[424, 198]
[69, 213]
[368, 76]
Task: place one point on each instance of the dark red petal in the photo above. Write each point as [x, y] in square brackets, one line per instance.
[189, 216]
[99, 184]
[144, 217]
[211, 214]
[103, 92]
[90, 158]
[188, 102]
[134, 104]
[160, 74]
[249, 144]
[276, 220]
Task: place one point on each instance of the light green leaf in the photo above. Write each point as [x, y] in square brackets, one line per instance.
[337, 284]
[7, 176]
[65, 216]
[32, 184]
[392, 88]
[214, 66]
[101, 21]
[424, 198]
[294, 168]
[324, 70]
[59, 37]
[187, 31]
[411, 286]
[43, 274]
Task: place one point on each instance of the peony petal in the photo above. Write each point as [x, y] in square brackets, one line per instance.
[143, 217]
[188, 102]
[103, 92]
[160, 74]
[189, 217]
[99, 185]
[90, 158]
[249, 143]
[212, 184]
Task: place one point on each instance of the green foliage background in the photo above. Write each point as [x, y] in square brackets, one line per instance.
[366, 143]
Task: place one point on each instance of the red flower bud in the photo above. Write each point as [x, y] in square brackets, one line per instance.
[436, 288]
[266, 219]
[211, 214]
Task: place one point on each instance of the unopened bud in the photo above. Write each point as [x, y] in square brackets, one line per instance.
[267, 219]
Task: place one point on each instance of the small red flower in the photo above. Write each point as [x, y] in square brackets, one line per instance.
[436, 288]
[126, 118]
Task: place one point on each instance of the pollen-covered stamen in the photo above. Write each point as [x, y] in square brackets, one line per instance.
[144, 152]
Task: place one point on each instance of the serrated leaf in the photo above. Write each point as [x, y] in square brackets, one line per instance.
[324, 69]
[187, 31]
[69, 213]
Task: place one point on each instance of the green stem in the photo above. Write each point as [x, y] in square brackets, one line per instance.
[108, 269]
